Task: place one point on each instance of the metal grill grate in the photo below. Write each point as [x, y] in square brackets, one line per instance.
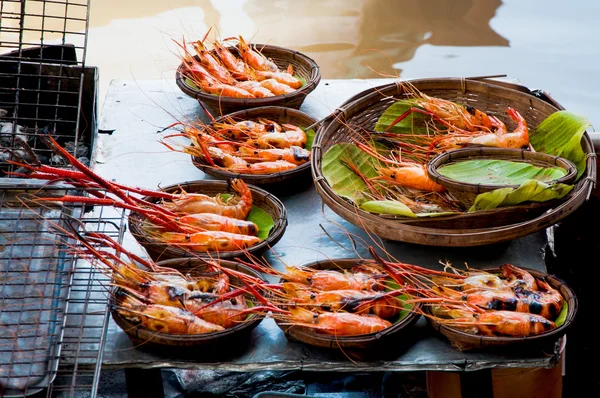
[87, 316]
[53, 306]
[44, 85]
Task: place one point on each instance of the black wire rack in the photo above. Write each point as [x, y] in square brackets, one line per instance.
[45, 86]
[53, 305]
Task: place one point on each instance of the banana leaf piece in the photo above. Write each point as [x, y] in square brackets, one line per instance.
[310, 138]
[191, 83]
[414, 122]
[562, 316]
[303, 80]
[341, 178]
[263, 221]
[391, 285]
[529, 191]
[391, 207]
[395, 208]
[440, 214]
[499, 172]
[258, 216]
[560, 135]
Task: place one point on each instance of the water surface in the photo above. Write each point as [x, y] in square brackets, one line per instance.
[549, 44]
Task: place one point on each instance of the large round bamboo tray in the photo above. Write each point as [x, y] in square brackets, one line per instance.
[465, 341]
[372, 344]
[277, 114]
[304, 67]
[463, 230]
[260, 198]
[467, 192]
[223, 339]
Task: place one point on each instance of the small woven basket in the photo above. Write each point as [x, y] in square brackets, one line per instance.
[368, 346]
[260, 198]
[277, 114]
[217, 342]
[304, 67]
[465, 341]
[470, 229]
[466, 192]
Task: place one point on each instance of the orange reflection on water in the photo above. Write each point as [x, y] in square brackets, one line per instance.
[347, 38]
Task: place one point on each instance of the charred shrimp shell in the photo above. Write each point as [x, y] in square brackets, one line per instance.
[464, 340]
[376, 344]
[221, 341]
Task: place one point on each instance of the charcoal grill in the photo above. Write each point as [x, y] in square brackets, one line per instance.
[53, 306]
[45, 87]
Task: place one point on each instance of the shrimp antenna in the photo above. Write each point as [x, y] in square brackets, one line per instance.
[395, 75]
[338, 243]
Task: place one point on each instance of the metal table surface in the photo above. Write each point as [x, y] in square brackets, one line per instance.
[127, 151]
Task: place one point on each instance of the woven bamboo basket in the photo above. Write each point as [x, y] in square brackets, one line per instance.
[469, 229]
[220, 342]
[466, 192]
[304, 67]
[277, 114]
[367, 345]
[260, 198]
[466, 341]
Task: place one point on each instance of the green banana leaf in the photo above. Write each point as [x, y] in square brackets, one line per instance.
[499, 172]
[303, 80]
[347, 184]
[414, 122]
[440, 214]
[258, 216]
[562, 316]
[392, 207]
[395, 208]
[341, 178]
[560, 135]
[310, 138]
[191, 83]
[529, 191]
[391, 285]
[263, 221]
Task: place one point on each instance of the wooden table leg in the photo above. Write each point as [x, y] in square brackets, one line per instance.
[443, 384]
[144, 383]
[497, 383]
[527, 383]
[460, 384]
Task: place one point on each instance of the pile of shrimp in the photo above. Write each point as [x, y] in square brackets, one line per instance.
[400, 158]
[259, 146]
[245, 73]
[192, 221]
[371, 295]
[512, 303]
[208, 299]
[344, 302]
